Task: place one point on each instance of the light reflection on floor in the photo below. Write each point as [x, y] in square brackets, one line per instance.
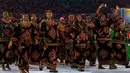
[67, 69]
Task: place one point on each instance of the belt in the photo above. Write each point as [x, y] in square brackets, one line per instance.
[4, 40]
[118, 41]
[52, 44]
[103, 39]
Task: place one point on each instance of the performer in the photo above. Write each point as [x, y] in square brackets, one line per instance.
[121, 56]
[49, 29]
[36, 52]
[81, 44]
[105, 51]
[92, 32]
[70, 30]
[23, 33]
[61, 48]
[7, 56]
[127, 39]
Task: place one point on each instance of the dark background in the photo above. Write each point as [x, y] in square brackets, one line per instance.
[58, 6]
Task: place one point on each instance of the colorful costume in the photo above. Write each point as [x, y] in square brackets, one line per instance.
[119, 47]
[105, 50]
[127, 43]
[6, 55]
[92, 48]
[24, 37]
[69, 42]
[61, 48]
[36, 52]
[81, 49]
[49, 30]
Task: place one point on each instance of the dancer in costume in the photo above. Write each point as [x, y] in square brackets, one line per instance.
[23, 33]
[49, 29]
[119, 47]
[92, 48]
[127, 39]
[36, 52]
[81, 48]
[70, 30]
[61, 48]
[6, 55]
[105, 51]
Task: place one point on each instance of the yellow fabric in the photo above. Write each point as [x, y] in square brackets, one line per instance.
[10, 44]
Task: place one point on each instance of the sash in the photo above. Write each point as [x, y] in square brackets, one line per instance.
[118, 41]
[52, 44]
[4, 40]
[104, 39]
[112, 41]
[81, 45]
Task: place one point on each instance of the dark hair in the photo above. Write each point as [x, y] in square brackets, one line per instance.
[48, 11]
[26, 14]
[76, 22]
[104, 14]
[70, 14]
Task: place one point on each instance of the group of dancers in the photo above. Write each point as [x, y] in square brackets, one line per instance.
[72, 40]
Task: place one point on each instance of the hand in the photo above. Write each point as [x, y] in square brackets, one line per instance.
[101, 6]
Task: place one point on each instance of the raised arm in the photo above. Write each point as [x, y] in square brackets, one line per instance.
[117, 10]
[99, 8]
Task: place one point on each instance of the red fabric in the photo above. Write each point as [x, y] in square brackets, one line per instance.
[128, 35]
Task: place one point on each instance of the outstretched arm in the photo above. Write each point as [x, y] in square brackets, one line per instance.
[99, 8]
[117, 10]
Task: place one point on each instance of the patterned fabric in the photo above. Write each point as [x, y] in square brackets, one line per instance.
[103, 54]
[50, 35]
[69, 41]
[92, 46]
[120, 49]
[105, 51]
[36, 51]
[52, 55]
[24, 36]
[81, 48]
[91, 29]
[7, 56]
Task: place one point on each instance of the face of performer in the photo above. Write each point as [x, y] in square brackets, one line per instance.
[5, 14]
[103, 17]
[79, 18]
[49, 15]
[106, 29]
[25, 17]
[127, 24]
[33, 17]
[62, 20]
[121, 21]
[71, 18]
[88, 19]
